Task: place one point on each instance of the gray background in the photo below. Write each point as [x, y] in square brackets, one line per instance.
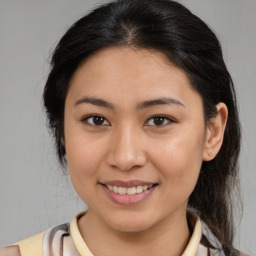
[34, 193]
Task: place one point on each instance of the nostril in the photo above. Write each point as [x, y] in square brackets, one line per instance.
[125, 152]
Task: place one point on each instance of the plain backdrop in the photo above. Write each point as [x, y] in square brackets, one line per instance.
[34, 193]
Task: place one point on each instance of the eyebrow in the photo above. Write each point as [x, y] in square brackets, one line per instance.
[142, 105]
[159, 101]
[95, 101]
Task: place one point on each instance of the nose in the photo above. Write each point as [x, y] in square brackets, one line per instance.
[126, 150]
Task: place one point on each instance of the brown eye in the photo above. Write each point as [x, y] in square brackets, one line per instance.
[159, 121]
[98, 120]
[95, 120]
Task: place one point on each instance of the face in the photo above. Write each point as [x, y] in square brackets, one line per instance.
[134, 137]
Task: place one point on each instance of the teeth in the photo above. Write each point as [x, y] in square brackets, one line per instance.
[139, 189]
[129, 191]
[122, 191]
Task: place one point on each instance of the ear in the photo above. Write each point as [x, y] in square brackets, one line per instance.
[215, 132]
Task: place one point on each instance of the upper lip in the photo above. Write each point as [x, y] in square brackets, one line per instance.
[127, 184]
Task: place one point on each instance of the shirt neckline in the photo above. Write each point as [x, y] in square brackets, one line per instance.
[189, 251]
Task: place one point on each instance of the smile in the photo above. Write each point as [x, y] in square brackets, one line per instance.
[129, 191]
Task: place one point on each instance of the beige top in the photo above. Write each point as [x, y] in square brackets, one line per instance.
[66, 240]
[84, 250]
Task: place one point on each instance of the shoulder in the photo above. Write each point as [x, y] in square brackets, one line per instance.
[50, 242]
[12, 250]
[214, 246]
[36, 244]
[28, 247]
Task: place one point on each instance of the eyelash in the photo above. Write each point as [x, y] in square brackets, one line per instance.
[86, 118]
[169, 120]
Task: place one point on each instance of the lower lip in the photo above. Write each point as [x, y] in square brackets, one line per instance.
[128, 199]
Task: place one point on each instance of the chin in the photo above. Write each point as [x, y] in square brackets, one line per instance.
[131, 228]
[131, 223]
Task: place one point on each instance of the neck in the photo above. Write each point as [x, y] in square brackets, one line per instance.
[167, 238]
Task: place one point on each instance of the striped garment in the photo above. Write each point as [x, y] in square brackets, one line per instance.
[66, 240]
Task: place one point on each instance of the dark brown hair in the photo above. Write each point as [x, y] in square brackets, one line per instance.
[170, 28]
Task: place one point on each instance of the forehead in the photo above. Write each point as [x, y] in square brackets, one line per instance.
[129, 74]
[127, 61]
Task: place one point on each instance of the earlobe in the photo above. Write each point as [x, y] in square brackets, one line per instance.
[215, 132]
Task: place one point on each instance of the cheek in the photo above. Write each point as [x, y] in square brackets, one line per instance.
[179, 160]
[83, 160]
[84, 155]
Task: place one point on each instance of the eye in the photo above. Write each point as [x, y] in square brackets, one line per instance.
[159, 120]
[95, 120]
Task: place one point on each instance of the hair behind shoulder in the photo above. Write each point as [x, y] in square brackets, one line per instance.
[170, 28]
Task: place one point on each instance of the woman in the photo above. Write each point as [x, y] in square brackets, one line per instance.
[144, 116]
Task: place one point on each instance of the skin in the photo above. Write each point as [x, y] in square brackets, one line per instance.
[131, 145]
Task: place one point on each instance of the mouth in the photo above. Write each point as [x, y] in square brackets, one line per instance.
[127, 193]
[130, 190]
